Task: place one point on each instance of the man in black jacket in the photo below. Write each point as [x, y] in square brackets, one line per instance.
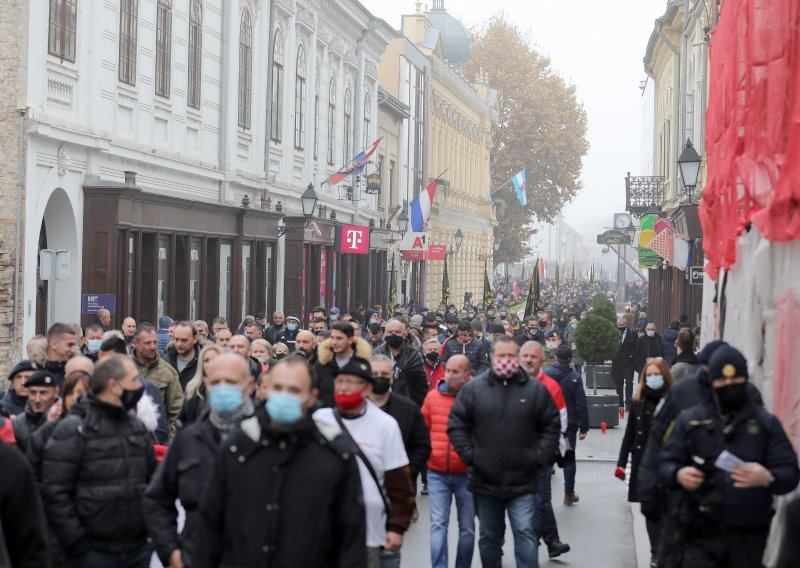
[416, 437]
[505, 426]
[648, 346]
[410, 378]
[42, 395]
[334, 353]
[95, 469]
[276, 333]
[728, 458]
[184, 472]
[184, 352]
[284, 491]
[463, 343]
[622, 366]
[577, 412]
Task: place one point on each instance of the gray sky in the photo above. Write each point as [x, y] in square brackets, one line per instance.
[597, 46]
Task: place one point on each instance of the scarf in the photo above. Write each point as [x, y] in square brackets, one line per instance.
[226, 425]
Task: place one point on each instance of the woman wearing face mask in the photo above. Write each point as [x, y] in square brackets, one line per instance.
[655, 379]
[194, 401]
[648, 346]
[280, 351]
[261, 350]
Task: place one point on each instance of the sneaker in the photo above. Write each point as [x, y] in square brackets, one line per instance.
[424, 489]
[557, 548]
[415, 515]
[570, 499]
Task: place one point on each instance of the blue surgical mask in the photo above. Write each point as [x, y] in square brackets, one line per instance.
[573, 325]
[284, 408]
[291, 326]
[655, 382]
[225, 399]
[94, 345]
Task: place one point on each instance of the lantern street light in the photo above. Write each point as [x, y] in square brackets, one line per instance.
[689, 164]
[308, 201]
[402, 222]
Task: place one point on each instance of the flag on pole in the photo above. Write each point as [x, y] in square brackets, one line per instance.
[421, 207]
[355, 166]
[558, 276]
[573, 271]
[392, 291]
[532, 305]
[542, 269]
[445, 284]
[488, 297]
[519, 186]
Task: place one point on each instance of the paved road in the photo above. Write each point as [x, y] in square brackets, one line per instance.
[599, 529]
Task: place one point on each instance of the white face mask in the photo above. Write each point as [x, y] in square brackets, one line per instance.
[551, 345]
[650, 333]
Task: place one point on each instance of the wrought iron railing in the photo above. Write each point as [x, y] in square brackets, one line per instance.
[643, 193]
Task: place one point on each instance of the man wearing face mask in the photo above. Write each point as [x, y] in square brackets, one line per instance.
[409, 372]
[95, 468]
[383, 462]
[292, 329]
[335, 353]
[529, 332]
[416, 439]
[625, 362]
[283, 475]
[463, 343]
[184, 471]
[434, 368]
[648, 346]
[94, 338]
[729, 458]
[505, 427]
[552, 341]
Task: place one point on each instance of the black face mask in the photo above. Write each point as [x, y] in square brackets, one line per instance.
[432, 357]
[542, 323]
[394, 340]
[621, 327]
[131, 397]
[731, 397]
[279, 356]
[381, 385]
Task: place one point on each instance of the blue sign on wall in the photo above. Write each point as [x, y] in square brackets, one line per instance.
[92, 303]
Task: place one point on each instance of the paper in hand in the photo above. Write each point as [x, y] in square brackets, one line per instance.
[726, 461]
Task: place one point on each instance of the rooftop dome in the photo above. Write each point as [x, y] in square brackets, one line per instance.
[456, 39]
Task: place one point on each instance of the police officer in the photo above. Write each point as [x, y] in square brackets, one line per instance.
[728, 457]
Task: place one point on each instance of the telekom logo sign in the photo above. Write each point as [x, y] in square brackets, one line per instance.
[355, 240]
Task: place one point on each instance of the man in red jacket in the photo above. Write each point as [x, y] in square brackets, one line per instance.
[447, 474]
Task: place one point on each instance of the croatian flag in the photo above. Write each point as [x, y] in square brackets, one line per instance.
[519, 186]
[421, 207]
[355, 166]
[542, 269]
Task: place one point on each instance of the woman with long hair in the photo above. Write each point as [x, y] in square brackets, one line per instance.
[654, 381]
[194, 401]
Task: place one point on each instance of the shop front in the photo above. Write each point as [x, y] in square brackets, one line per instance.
[162, 255]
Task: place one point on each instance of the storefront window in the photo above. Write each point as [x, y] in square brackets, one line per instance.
[194, 280]
[245, 280]
[225, 261]
[163, 276]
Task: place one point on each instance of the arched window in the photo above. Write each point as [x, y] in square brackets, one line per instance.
[128, 28]
[163, 47]
[332, 121]
[245, 69]
[348, 126]
[367, 119]
[277, 88]
[300, 99]
[61, 29]
[195, 52]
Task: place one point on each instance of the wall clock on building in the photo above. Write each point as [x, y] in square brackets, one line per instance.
[622, 220]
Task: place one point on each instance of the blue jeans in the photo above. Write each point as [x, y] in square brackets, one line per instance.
[569, 471]
[492, 516]
[390, 559]
[136, 558]
[442, 488]
[544, 520]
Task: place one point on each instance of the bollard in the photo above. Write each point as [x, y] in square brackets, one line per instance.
[603, 427]
[622, 413]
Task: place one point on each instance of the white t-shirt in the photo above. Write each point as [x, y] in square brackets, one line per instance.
[378, 436]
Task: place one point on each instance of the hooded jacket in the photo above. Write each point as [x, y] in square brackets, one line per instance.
[574, 395]
[410, 378]
[504, 430]
[476, 351]
[436, 413]
[685, 365]
[326, 366]
[668, 345]
[165, 379]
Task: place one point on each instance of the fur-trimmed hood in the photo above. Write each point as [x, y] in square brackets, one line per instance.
[147, 412]
[325, 351]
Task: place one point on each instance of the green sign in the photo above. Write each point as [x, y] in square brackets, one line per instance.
[648, 258]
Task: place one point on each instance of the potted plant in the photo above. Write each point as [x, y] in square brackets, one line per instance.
[597, 341]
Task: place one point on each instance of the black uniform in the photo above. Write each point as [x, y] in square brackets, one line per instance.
[416, 438]
[25, 425]
[410, 378]
[623, 366]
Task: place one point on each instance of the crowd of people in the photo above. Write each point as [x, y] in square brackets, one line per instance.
[292, 443]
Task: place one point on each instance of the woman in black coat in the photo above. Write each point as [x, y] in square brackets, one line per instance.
[654, 381]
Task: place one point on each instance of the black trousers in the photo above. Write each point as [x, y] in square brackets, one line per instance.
[623, 380]
[729, 548]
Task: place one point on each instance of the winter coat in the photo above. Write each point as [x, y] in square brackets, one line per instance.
[165, 378]
[162, 340]
[504, 431]
[410, 378]
[647, 348]
[416, 439]
[189, 371]
[635, 439]
[326, 366]
[475, 350]
[574, 395]
[275, 334]
[183, 475]
[12, 404]
[753, 435]
[57, 368]
[434, 373]
[96, 466]
[436, 412]
[25, 425]
[23, 530]
[193, 407]
[684, 365]
[624, 362]
[302, 482]
[668, 345]
[161, 430]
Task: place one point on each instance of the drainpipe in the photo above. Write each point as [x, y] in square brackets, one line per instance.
[16, 347]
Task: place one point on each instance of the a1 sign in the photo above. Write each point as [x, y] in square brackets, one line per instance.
[697, 275]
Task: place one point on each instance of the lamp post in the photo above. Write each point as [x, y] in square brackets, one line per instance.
[689, 165]
[308, 201]
[402, 223]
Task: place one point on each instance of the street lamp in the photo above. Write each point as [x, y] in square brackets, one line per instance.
[459, 239]
[308, 201]
[689, 164]
[402, 222]
[496, 246]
